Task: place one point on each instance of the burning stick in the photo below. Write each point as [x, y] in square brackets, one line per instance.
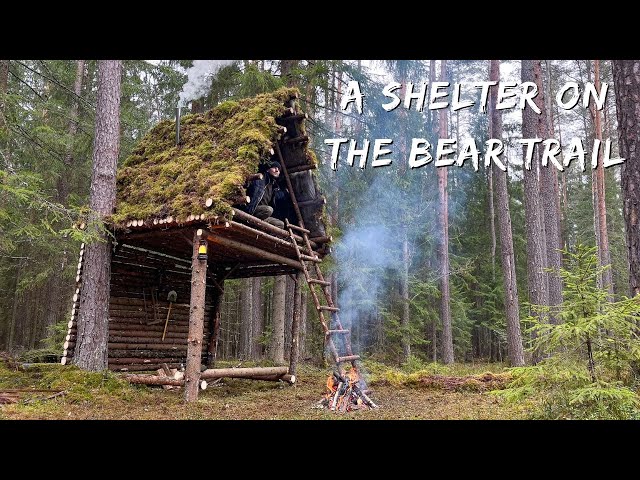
[332, 405]
[355, 388]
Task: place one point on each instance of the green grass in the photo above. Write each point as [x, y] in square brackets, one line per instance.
[107, 396]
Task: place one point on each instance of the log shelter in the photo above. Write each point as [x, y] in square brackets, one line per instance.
[172, 255]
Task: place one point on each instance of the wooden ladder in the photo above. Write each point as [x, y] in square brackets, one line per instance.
[325, 287]
[319, 280]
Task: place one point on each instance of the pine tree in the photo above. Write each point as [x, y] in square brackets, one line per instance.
[91, 346]
[514, 337]
[626, 75]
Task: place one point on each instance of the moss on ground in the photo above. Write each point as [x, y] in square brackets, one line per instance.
[108, 396]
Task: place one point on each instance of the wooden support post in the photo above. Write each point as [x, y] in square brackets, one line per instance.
[295, 324]
[214, 323]
[196, 321]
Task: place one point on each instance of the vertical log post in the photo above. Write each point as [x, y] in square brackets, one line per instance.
[214, 323]
[295, 324]
[196, 321]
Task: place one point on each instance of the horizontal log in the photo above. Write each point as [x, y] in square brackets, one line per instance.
[348, 358]
[148, 339]
[141, 321]
[148, 346]
[271, 238]
[145, 361]
[258, 252]
[140, 368]
[324, 239]
[180, 318]
[297, 228]
[145, 334]
[121, 327]
[155, 354]
[299, 139]
[139, 302]
[275, 231]
[302, 168]
[244, 372]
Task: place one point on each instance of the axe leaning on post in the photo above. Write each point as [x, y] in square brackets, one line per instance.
[171, 297]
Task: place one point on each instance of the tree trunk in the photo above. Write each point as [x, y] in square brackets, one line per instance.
[286, 72]
[303, 321]
[561, 184]
[246, 317]
[626, 76]
[536, 278]
[443, 227]
[289, 299]
[4, 82]
[492, 225]
[63, 180]
[214, 323]
[404, 294]
[294, 352]
[91, 347]
[277, 340]
[196, 323]
[14, 309]
[514, 337]
[550, 200]
[257, 318]
[434, 325]
[601, 210]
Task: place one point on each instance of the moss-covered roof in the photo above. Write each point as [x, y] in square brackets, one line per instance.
[218, 150]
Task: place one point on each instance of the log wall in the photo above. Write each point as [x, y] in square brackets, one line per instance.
[140, 283]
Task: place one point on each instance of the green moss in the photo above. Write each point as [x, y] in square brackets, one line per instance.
[218, 150]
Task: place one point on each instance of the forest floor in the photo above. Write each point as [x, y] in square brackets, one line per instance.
[438, 392]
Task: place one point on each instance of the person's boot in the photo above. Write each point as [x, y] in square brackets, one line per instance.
[275, 222]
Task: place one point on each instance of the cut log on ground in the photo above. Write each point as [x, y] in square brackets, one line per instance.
[243, 372]
[154, 380]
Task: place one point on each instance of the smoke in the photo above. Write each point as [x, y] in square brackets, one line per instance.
[370, 251]
[198, 77]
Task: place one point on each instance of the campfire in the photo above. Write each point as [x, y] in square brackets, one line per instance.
[346, 393]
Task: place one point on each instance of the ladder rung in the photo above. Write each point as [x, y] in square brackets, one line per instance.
[329, 332]
[327, 307]
[319, 282]
[300, 229]
[309, 258]
[349, 358]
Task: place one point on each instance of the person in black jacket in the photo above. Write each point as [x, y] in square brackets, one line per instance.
[269, 200]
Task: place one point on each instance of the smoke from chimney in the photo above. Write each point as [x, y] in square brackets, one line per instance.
[197, 79]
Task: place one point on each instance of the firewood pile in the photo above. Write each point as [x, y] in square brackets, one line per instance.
[346, 393]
